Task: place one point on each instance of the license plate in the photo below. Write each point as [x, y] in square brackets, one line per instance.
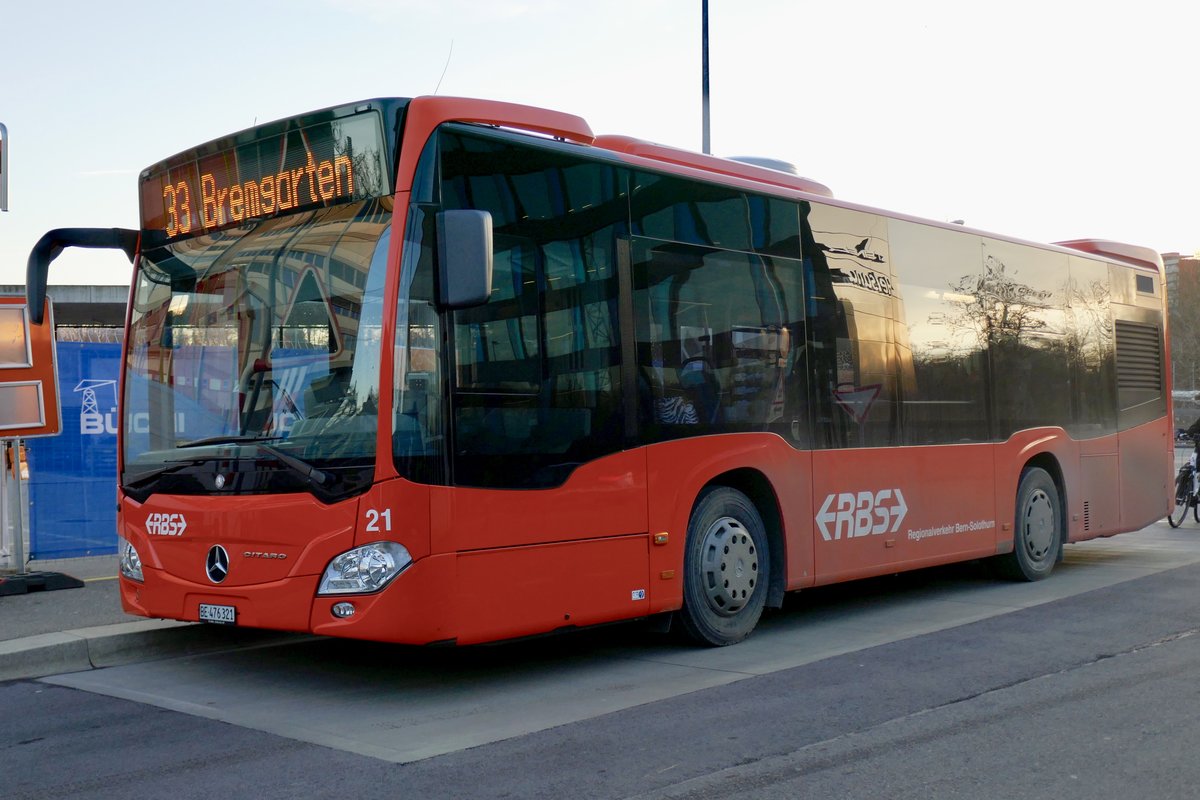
[223, 615]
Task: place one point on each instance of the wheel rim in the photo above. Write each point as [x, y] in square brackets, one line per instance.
[1039, 529]
[729, 566]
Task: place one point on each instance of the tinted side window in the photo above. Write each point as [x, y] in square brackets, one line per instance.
[1092, 350]
[536, 371]
[673, 209]
[1022, 306]
[942, 334]
[677, 210]
[856, 376]
[719, 341]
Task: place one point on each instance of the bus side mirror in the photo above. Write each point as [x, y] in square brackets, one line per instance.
[54, 242]
[464, 258]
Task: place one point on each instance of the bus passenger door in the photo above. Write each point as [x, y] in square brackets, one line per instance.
[548, 516]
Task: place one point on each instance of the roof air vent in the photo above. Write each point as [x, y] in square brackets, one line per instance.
[770, 163]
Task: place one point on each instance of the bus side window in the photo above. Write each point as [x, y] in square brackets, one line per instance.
[715, 338]
[536, 373]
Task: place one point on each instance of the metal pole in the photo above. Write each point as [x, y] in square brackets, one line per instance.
[23, 581]
[704, 70]
[13, 448]
[4, 502]
[3, 167]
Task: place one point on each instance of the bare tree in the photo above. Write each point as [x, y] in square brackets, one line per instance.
[999, 309]
[1183, 315]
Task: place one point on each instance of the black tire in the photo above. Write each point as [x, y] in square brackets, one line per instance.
[1183, 487]
[726, 568]
[1037, 534]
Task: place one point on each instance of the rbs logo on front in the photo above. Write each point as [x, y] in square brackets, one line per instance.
[861, 514]
[166, 524]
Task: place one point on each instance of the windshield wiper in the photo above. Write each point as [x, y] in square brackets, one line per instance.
[150, 474]
[308, 471]
[229, 439]
[303, 467]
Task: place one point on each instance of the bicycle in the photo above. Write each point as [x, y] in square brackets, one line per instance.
[1187, 491]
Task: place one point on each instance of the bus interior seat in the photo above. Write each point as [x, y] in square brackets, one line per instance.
[699, 382]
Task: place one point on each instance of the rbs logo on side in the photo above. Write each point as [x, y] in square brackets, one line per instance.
[861, 514]
[166, 524]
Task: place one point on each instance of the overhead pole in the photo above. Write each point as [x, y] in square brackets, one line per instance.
[3, 167]
[707, 133]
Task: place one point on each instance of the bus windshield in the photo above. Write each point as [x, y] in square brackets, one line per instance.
[253, 357]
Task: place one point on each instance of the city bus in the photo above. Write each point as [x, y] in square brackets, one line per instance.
[451, 371]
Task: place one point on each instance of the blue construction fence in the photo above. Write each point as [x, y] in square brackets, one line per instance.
[73, 476]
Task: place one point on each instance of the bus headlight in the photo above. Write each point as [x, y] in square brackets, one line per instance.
[128, 560]
[364, 569]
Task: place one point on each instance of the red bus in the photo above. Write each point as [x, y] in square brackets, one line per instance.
[451, 371]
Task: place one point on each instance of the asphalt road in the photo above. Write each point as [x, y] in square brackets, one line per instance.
[1092, 694]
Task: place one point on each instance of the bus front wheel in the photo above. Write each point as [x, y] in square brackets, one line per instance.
[1037, 538]
[726, 568]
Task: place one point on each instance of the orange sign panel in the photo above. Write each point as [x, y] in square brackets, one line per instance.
[29, 404]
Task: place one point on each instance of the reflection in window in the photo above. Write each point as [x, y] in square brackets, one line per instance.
[855, 371]
[939, 273]
[418, 441]
[1022, 310]
[270, 330]
[536, 380]
[719, 341]
[988, 321]
[1092, 350]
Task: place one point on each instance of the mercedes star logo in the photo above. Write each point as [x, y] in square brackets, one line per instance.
[217, 564]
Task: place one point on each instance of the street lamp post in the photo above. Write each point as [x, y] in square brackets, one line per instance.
[3, 167]
[704, 75]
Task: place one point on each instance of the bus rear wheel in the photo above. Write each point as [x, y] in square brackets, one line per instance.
[1037, 538]
[726, 568]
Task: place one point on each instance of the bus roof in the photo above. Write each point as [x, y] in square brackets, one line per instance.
[709, 163]
[1144, 257]
[575, 129]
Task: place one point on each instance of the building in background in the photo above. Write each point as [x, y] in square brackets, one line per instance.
[1177, 263]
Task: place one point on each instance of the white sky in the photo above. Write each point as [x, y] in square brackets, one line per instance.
[1046, 120]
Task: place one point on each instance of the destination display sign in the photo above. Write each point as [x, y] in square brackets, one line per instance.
[304, 167]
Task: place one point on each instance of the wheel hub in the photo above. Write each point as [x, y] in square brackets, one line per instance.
[1038, 534]
[729, 566]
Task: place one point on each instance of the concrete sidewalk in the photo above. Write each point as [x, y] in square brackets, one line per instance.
[70, 630]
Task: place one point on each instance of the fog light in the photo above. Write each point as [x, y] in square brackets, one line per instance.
[128, 560]
[343, 610]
